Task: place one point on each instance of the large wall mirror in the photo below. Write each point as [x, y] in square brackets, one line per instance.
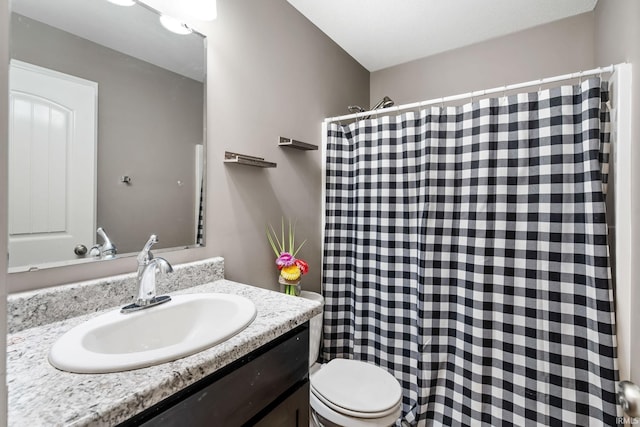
[106, 125]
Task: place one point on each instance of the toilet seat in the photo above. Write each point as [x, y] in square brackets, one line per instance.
[322, 415]
[352, 413]
[357, 389]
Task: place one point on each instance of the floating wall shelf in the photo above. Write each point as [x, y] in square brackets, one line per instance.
[298, 145]
[243, 159]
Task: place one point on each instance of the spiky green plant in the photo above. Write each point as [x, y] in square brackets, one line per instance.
[279, 245]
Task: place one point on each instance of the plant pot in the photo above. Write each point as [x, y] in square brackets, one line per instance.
[290, 287]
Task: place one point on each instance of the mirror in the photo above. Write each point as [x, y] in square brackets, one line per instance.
[106, 130]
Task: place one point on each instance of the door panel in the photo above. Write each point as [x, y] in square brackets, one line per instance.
[621, 223]
[621, 226]
[52, 161]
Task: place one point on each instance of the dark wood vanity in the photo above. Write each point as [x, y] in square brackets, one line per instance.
[267, 387]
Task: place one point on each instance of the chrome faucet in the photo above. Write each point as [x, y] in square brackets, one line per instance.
[148, 266]
[106, 250]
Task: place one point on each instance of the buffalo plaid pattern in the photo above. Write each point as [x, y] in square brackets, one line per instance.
[465, 251]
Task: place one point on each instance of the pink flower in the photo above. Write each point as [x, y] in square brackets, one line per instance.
[302, 265]
[285, 259]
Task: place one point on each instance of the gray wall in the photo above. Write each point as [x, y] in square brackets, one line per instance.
[617, 39]
[270, 73]
[556, 48]
[149, 121]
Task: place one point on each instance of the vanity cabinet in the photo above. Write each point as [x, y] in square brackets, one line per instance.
[268, 387]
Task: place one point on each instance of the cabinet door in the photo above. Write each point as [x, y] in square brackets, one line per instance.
[292, 412]
[241, 392]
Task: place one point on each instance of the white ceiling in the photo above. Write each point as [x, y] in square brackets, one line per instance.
[383, 33]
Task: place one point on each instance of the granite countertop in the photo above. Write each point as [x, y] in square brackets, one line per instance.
[41, 395]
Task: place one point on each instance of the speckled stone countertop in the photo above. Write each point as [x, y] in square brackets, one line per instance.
[36, 308]
[41, 395]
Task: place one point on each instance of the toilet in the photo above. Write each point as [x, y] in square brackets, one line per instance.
[345, 392]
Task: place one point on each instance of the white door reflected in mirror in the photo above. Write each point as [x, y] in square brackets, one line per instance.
[52, 159]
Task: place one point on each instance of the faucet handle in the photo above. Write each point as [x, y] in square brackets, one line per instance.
[102, 234]
[145, 254]
[108, 249]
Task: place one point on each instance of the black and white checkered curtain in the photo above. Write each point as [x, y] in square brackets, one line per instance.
[200, 224]
[465, 251]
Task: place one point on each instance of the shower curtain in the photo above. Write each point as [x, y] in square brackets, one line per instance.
[465, 251]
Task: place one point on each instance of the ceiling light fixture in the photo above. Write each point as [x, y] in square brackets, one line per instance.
[174, 25]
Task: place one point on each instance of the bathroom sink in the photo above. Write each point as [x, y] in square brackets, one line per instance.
[187, 324]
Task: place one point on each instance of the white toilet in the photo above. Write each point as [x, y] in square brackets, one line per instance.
[349, 393]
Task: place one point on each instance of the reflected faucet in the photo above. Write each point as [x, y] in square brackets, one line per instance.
[106, 250]
[148, 266]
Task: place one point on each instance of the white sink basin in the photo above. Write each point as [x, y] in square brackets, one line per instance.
[187, 324]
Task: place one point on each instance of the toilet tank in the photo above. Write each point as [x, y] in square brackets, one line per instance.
[315, 327]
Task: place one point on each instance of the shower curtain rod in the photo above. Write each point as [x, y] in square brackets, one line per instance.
[468, 95]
